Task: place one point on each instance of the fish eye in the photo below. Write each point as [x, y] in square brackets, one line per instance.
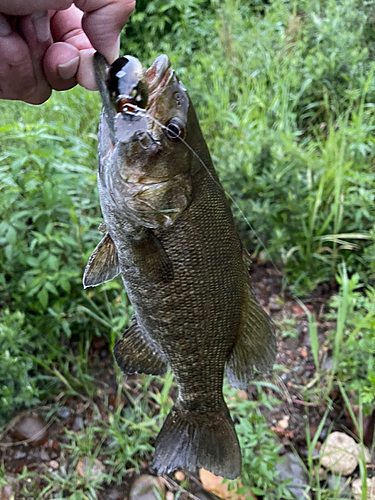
[175, 130]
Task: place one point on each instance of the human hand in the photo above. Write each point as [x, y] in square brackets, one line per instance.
[49, 44]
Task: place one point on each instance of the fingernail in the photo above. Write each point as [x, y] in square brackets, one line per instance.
[5, 28]
[85, 74]
[68, 69]
[41, 25]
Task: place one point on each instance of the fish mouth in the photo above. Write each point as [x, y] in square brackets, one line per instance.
[157, 76]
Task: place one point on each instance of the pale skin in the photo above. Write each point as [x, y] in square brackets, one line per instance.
[49, 44]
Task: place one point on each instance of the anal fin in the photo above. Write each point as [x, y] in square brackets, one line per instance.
[103, 264]
[255, 349]
[135, 353]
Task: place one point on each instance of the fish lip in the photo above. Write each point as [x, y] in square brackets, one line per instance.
[157, 75]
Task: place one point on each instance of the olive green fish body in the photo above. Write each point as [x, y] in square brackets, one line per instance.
[171, 235]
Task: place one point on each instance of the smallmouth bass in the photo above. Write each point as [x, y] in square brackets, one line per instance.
[171, 234]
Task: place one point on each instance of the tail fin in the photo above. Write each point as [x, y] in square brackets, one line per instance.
[192, 440]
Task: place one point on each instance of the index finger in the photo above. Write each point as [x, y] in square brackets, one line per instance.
[25, 7]
[103, 21]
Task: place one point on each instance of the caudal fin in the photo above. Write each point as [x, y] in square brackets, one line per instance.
[192, 440]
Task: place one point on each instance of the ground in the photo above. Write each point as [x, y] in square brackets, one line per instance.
[38, 455]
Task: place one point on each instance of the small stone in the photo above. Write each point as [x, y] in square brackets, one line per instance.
[77, 424]
[63, 412]
[86, 466]
[30, 428]
[339, 484]
[44, 455]
[169, 495]
[339, 453]
[357, 489]
[283, 423]
[366, 453]
[274, 304]
[53, 464]
[19, 455]
[291, 468]
[327, 365]
[6, 492]
[179, 475]
[143, 488]
[243, 395]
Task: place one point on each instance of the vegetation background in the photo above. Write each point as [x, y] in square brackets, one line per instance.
[285, 93]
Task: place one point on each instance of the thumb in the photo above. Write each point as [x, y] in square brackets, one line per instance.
[103, 21]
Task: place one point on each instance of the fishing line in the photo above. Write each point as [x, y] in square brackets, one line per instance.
[141, 111]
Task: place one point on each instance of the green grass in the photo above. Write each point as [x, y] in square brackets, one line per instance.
[285, 94]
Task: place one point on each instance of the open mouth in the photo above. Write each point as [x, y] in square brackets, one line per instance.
[157, 76]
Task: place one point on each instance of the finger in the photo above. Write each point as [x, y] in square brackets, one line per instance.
[17, 79]
[25, 7]
[60, 65]
[66, 27]
[85, 75]
[38, 43]
[103, 22]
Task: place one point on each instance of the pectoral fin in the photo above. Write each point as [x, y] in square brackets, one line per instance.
[150, 257]
[103, 264]
[135, 353]
[255, 349]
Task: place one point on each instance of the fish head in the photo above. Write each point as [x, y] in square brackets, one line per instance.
[153, 125]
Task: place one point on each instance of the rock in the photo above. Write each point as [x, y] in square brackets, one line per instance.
[283, 423]
[44, 455]
[77, 424]
[357, 489]
[86, 467]
[30, 428]
[339, 484]
[274, 304]
[19, 455]
[53, 464]
[214, 484]
[143, 488]
[242, 395]
[291, 468]
[340, 453]
[63, 412]
[327, 365]
[179, 475]
[366, 453]
[6, 491]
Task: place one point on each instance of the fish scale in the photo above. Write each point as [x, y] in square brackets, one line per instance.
[171, 235]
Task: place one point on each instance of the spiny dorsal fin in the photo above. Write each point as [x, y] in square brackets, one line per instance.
[103, 264]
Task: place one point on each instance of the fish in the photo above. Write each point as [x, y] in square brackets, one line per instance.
[170, 233]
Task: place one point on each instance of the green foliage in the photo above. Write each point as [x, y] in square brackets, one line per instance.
[355, 338]
[49, 213]
[260, 452]
[17, 386]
